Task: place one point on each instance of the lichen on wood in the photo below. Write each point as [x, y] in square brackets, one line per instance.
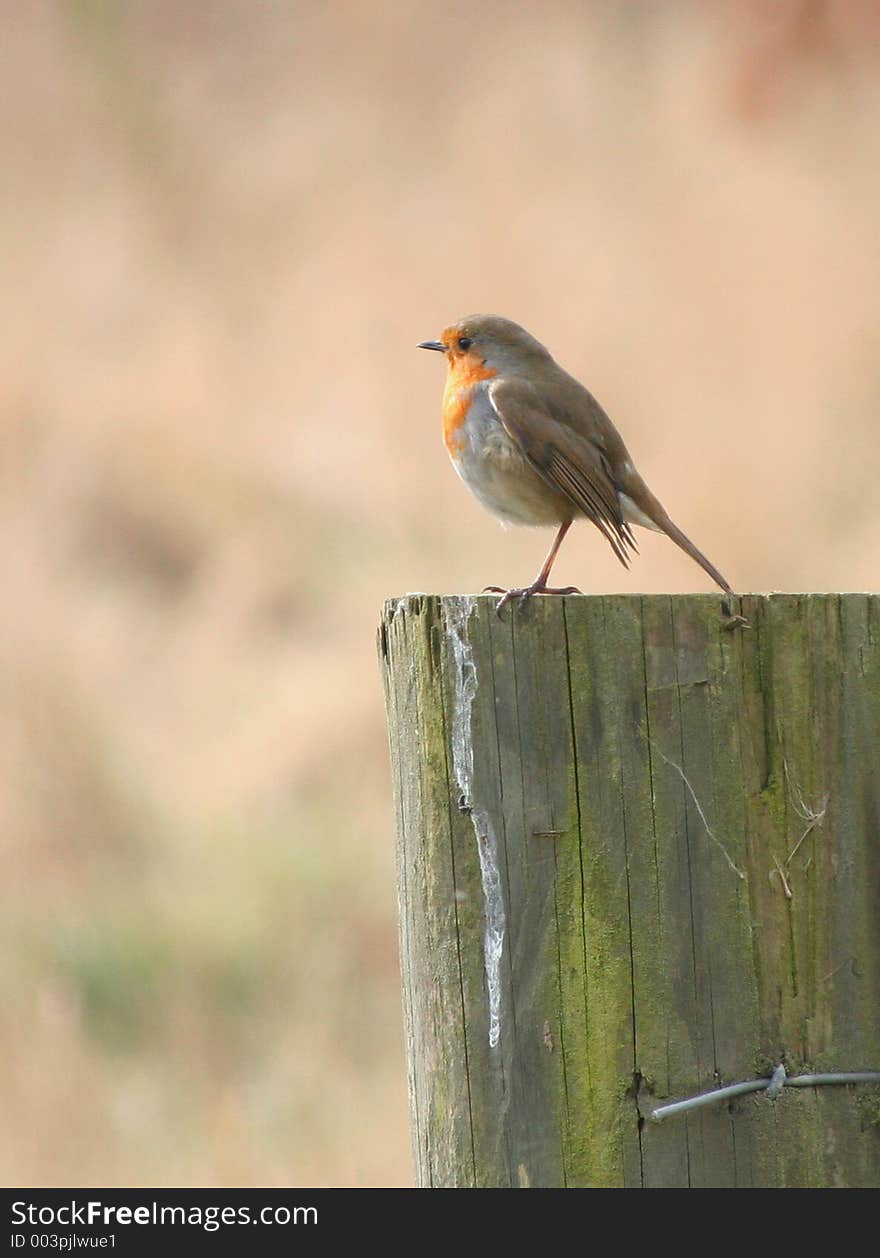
[651, 867]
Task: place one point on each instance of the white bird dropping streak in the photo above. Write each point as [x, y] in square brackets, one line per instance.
[458, 613]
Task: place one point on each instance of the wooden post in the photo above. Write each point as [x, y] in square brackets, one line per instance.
[638, 857]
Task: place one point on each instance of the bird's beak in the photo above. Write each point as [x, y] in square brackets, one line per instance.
[438, 345]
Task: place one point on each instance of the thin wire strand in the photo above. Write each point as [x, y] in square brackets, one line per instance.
[773, 1085]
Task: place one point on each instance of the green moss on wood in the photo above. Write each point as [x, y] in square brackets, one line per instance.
[632, 755]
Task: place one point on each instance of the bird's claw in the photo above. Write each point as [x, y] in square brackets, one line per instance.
[731, 619]
[524, 594]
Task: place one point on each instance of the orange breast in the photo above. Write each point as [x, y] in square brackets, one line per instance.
[464, 373]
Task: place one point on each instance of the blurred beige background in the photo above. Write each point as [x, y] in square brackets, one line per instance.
[224, 227]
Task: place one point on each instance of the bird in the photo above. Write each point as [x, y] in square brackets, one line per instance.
[535, 447]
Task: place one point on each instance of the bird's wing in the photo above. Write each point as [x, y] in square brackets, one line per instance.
[568, 461]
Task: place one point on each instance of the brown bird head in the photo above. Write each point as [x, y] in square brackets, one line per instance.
[482, 346]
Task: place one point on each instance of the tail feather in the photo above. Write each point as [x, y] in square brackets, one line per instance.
[639, 506]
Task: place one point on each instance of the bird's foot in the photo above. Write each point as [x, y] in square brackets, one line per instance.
[731, 619]
[522, 595]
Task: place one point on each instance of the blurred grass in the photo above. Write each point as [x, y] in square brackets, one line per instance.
[226, 227]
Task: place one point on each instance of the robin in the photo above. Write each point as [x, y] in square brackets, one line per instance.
[535, 447]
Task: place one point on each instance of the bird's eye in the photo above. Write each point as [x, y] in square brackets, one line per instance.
[464, 343]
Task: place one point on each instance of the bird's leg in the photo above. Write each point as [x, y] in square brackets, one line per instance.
[539, 585]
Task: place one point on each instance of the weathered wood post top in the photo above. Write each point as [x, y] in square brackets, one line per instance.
[638, 860]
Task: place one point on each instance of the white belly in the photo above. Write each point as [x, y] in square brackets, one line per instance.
[497, 472]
